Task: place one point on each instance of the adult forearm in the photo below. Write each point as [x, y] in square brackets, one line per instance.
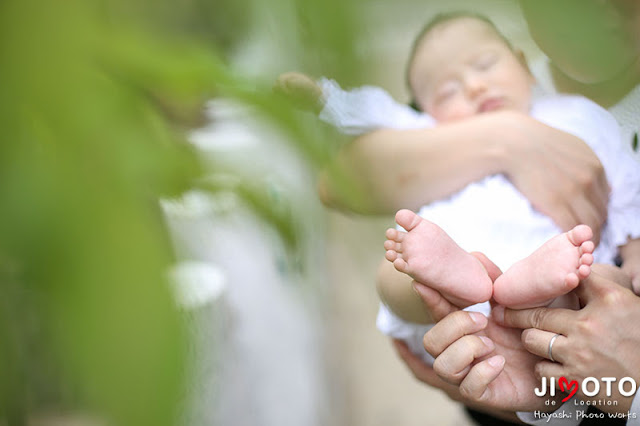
[557, 172]
[409, 168]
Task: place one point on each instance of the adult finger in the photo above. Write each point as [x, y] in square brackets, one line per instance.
[454, 363]
[418, 368]
[555, 320]
[549, 369]
[538, 341]
[596, 287]
[475, 386]
[580, 163]
[438, 306]
[564, 217]
[599, 188]
[587, 213]
[600, 197]
[424, 372]
[492, 269]
[452, 328]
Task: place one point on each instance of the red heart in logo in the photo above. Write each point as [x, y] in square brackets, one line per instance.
[566, 386]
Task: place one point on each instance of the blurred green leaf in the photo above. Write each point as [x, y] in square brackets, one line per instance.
[96, 97]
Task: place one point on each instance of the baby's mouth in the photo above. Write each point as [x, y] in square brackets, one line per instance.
[491, 104]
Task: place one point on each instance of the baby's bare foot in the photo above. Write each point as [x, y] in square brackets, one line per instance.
[430, 256]
[552, 270]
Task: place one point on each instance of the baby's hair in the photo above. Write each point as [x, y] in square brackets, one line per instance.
[437, 20]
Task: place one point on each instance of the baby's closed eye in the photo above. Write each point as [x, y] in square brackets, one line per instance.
[485, 61]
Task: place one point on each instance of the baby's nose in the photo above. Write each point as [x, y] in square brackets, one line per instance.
[475, 86]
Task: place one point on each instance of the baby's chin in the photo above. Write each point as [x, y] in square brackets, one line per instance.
[463, 117]
[460, 117]
[450, 118]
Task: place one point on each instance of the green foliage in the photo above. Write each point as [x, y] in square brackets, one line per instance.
[95, 98]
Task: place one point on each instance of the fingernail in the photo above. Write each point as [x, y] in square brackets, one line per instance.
[418, 287]
[422, 291]
[496, 361]
[487, 342]
[497, 314]
[478, 318]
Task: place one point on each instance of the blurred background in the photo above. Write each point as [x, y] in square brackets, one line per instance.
[164, 257]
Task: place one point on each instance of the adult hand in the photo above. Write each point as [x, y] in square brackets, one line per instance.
[600, 340]
[426, 374]
[439, 307]
[471, 351]
[557, 172]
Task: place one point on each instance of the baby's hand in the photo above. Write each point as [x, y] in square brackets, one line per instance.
[301, 89]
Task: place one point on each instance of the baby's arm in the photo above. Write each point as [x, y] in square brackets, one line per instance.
[630, 254]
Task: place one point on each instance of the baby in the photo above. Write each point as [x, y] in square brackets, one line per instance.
[461, 66]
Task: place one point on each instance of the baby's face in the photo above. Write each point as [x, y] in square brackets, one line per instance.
[463, 68]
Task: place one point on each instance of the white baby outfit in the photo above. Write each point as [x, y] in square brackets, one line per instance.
[490, 215]
[626, 111]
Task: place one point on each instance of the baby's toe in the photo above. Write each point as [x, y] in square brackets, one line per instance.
[400, 264]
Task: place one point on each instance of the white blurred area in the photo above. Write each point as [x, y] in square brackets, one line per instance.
[254, 315]
[279, 346]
